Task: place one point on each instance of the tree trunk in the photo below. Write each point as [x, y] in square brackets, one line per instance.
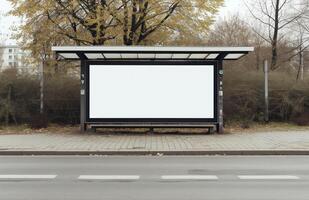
[258, 58]
[126, 23]
[300, 71]
[8, 106]
[274, 43]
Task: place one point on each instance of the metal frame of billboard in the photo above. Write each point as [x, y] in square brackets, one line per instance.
[158, 121]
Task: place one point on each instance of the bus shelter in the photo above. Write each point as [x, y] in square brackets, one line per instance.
[135, 86]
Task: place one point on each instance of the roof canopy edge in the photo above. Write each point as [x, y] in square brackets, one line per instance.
[150, 53]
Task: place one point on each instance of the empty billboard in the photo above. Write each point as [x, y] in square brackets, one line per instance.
[177, 92]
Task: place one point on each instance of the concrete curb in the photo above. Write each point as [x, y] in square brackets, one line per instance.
[158, 153]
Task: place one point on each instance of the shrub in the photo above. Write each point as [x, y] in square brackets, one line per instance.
[39, 121]
[62, 99]
[20, 99]
[244, 96]
[19, 96]
[302, 119]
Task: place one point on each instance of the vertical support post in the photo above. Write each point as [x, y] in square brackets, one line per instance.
[83, 82]
[220, 128]
[266, 112]
[41, 87]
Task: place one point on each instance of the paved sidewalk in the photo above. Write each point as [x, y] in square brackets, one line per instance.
[262, 141]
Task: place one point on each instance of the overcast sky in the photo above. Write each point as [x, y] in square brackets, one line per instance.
[231, 7]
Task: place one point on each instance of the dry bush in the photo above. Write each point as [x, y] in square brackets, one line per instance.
[244, 97]
[20, 99]
[19, 96]
[39, 121]
[62, 99]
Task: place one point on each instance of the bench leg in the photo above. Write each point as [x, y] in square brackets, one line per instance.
[93, 130]
[150, 131]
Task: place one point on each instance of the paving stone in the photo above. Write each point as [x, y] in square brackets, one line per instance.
[292, 140]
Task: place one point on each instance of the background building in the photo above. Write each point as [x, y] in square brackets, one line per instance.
[12, 56]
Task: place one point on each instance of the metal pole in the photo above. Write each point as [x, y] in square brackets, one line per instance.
[83, 86]
[220, 127]
[41, 87]
[266, 113]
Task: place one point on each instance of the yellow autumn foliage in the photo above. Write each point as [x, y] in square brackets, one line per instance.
[111, 22]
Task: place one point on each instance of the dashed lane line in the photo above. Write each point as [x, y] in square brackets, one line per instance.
[21, 176]
[137, 177]
[189, 177]
[109, 177]
[268, 177]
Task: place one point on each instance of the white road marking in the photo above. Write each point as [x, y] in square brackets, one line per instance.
[15, 176]
[109, 177]
[189, 177]
[268, 177]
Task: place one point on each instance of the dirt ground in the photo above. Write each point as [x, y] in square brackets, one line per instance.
[230, 128]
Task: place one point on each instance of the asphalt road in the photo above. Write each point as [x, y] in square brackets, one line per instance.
[142, 178]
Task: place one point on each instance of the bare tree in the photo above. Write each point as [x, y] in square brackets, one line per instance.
[301, 43]
[276, 16]
[234, 31]
[1, 46]
[231, 31]
[300, 38]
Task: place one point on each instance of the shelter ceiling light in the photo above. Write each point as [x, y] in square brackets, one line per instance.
[234, 56]
[94, 56]
[112, 55]
[129, 55]
[164, 56]
[198, 56]
[69, 55]
[180, 56]
[146, 56]
[212, 56]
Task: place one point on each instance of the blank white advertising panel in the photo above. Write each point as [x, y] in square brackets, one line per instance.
[151, 91]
